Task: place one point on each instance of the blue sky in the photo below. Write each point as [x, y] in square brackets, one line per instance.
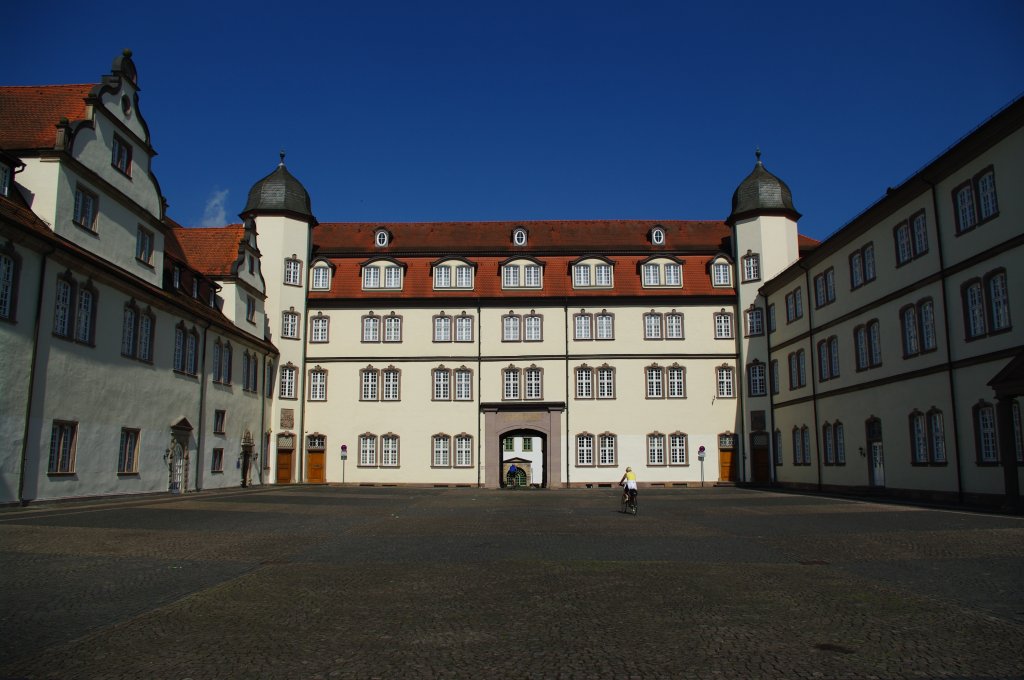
[429, 111]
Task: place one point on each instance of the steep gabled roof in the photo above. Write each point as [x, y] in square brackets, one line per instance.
[211, 251]
[29, 114]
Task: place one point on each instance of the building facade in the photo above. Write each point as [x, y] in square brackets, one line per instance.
[287, 350]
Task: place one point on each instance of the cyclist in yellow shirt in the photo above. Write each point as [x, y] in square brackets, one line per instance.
[628, 481]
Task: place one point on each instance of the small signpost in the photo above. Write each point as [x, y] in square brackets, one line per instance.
[344, 457]
[700, 457]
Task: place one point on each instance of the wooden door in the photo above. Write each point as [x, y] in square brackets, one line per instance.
[760, 464]
[315, 472]
[284, 466]
[726, 471]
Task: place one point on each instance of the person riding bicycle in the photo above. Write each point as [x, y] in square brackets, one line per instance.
[628, 482]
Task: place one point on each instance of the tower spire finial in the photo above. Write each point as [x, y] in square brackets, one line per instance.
[282, 157]
[757, 154]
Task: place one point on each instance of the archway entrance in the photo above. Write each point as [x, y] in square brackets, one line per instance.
[518, 422]
[523, 454]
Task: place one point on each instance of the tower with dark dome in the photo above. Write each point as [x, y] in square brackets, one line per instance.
[764, 238]
[278, 208]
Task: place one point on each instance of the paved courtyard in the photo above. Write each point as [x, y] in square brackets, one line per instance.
[320, 582]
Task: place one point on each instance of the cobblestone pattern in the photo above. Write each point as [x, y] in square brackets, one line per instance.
[322, 582]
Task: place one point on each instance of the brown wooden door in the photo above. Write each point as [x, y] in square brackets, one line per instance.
[315, 473]
[284, 466]
[726, 472]
[760, 464]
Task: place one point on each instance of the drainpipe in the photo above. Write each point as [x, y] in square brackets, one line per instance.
[263, 419]
[814, 357]
[949, 347]
[32, 378]
[201, 440]
[772, 376]
[568, 400]
[739, 382]
[479, 386]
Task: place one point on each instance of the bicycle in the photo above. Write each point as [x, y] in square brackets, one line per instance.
[629, 504]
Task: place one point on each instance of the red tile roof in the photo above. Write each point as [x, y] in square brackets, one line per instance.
[211, 251]
[29, 115]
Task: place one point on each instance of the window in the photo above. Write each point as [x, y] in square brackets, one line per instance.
[216, 361]
[316, 442]
[919, 228]
[582, 326]
[128, 452]
[250, 309]
[909, 328]
[773, 373]
[519, 237]
[63, 436]
[935, 453]
[534, 327]
[605, 323]
[869, 262]
[677, 448]
[777, 447]
[292, 272]
[534, 383]
[371, 277]
[137, 333]
[975, 201]
[463, 450]
[581, 276]
[725, 382]
[997, 300]
[86, 209]
[510, 327]
[463, 384]
[442, 451]
[607, 445]
[510, 383]
[392, 277]
[757, 383]
[584, 382]
[464, 328]
[128, 329]
[829, 444]
[674, 325]
[862, 266]
[319, 328]
[918, 438]
[185, 343]
[794, 305]
[121, 156]
[392, 328]
[652, 326]
[442, 328]
[217, 460]
[1018, 432]
[985, 440]
[321, 277]
[532, 273]
[755, 321]
[463, 276]
[368, 379]
[226, 364]
[828, 359]
[655, 381]
[218, 421]
[584, 449]
[318, 384]
[531, 276]
[389, 450]
[442, 277]
[751, 267]
[442, 384]
[655, 449]
[867, 342]
[381, 238]
[144, 245]
[676, 382]
[290, 324]
[9, 276]
[371, 328]
[723, 325]
[825, 288]
[721, 275]
[651, 275]
[797, 369]
[904, 247]
[658, 236]
[673, 274]
[606, 382]
[510, 276]
[392, 384]
[287, 381]
[603, 275]
[367, 450]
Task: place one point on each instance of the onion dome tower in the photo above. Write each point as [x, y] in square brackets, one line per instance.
[761, 193]
[279, 193]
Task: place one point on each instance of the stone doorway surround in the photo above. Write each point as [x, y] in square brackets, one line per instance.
[543, 417]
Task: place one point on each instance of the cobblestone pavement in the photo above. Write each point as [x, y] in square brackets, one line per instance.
[326, 582]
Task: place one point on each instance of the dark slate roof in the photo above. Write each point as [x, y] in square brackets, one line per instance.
[279, 192]
[761, 193]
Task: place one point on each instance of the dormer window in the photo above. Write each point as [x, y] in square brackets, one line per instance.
[519, 237]
[721, 274]
[592, 274]
[662, 273]
[521, 275]
[5, 180]
[176, 277]
[321, 277]
[121, 156]
[453, 275]
[382, 276]
[658, 236]
[381, 238]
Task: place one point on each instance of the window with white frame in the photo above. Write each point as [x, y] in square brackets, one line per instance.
[581, 276]
[63, 440]
[292, 271]
[988, 206]
[510, 276]
[143, 245]
[464, 328]
[725, 382]
[607, 445]
[975, 201]
[606, 382]
[603, 275]
[442, 384]
[321, 277]
[794, 305]
[605, 323]
[721, 274]
[392, 277]
[919, 230]
[677, 448]
[288, 382]
[121, 156]
[655, 449]
[463, 384]
[128, 452]
[674, 325]
[825, 287]
[320, 328]
[381, 238]
[584, 382]
[318, 384]
[392, 328]
[966, 213]
[534, 379]
[584, 450]
[391, 384]
[369, 379]
[651, 275]
[757, 382]
[904, 244]
[519, 237]
[797, 369]
[441, 451]
[658, 236]
[371, 328]
[367, 450]
[463, 276]
[773, 374]
[442, 328]
[754, 318]
[985, 434]
[652, 326]
[751, 267]
[654, 379]
[676, 382]
[723, 325]
[463, 450]
[442, 277]
[510, 383]
[910, 331]
[290, 324]
[582, 326]
[389, 450]
[531, 276]
[533, 324]
[510, 325]
[997, 300]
